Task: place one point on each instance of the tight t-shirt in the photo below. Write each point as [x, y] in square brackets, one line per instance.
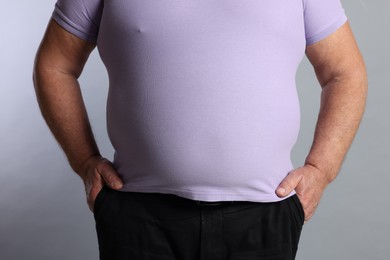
[202, 101]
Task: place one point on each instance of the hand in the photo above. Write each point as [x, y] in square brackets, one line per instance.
[97, 172]
[309, 184]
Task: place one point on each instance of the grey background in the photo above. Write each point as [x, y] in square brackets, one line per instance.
[43, 211]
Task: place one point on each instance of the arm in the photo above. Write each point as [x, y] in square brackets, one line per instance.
[58, 64]
[341, 72]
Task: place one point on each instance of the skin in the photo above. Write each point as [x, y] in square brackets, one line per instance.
[341, 72]
[336, 60]
[58, 64]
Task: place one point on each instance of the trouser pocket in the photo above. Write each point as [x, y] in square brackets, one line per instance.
[100, 197]
[299, 207]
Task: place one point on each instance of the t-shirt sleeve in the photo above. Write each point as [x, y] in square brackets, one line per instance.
[79, 17]
[322, 18]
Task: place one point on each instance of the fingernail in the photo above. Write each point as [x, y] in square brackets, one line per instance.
[281, 191]
[116, 185]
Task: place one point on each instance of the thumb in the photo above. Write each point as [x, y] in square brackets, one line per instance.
[110, 176]
[289, 183]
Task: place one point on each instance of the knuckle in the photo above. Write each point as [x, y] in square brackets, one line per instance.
[287, 184]
[104, 165]
[110, 178]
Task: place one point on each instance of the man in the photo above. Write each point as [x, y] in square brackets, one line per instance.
[202, 113]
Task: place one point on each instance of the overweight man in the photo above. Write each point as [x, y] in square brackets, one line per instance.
[202, 112]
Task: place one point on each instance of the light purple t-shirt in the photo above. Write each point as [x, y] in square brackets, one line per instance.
[202, 98]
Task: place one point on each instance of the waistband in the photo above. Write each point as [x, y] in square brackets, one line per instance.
[212, 203]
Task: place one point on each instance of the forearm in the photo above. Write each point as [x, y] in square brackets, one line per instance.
[63, 109]
[341, 109]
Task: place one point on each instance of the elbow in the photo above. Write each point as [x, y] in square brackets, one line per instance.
[44, 76]
[353, 77]
[39, 72]
[359, 79]
[36, 73]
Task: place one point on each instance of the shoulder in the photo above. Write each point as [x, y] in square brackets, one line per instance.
[79, 17]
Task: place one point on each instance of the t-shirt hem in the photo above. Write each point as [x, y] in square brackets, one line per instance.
[341, 20]
[208, 196]
[71, 27]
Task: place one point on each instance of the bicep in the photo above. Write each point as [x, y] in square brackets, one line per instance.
[62, 51]
[335, 56]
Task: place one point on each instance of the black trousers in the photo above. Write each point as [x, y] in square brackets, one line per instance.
[156, 226]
